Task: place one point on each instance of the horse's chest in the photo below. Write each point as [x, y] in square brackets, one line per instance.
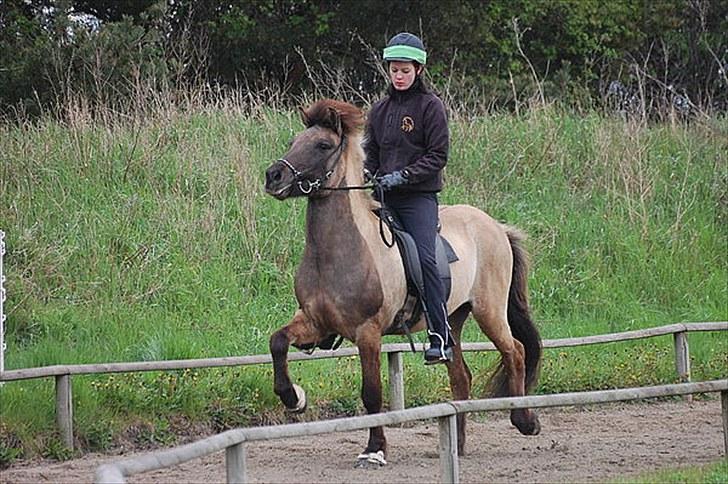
[335, 287]
[331, 293]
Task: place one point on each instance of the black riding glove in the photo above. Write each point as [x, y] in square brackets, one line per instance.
[394, 179]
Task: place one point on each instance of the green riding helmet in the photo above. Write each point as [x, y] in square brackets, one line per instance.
[405, 47]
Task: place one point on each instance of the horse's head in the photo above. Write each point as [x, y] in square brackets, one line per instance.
[315, 159]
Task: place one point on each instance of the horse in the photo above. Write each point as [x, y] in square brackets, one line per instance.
[351, 284]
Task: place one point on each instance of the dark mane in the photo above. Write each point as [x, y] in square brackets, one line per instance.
[321, 113]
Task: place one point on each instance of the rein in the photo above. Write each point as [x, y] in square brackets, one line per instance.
[382, 215]
[348, 187]
[380, 192]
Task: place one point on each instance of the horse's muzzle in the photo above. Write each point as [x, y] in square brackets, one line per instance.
[279, 181]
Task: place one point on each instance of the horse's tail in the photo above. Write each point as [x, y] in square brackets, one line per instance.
[519, 318]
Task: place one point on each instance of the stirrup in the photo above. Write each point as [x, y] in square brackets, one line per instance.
[434, 355]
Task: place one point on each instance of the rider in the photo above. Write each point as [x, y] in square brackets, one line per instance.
[407, 143]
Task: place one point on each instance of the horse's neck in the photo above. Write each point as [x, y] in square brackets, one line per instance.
[332, 222]
[333, 227]
[341, 225]
[329, 225]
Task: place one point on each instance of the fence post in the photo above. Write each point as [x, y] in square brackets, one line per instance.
[235, 463]
[682, 356]
[724, 412]
[682, 359]
[449, 466]
[396, 380]
[64, 409]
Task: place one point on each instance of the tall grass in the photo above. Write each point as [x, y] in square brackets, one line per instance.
[149, 237]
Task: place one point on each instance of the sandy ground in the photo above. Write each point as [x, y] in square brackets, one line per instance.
[576, 445]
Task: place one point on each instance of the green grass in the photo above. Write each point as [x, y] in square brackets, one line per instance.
[152, 239]
[716, 473]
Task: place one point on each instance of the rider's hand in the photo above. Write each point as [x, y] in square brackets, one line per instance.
[367, 175]
[391, 180]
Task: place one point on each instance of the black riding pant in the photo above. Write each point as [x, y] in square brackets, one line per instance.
[419, 215]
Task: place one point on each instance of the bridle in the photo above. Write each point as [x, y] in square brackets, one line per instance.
[308, 186]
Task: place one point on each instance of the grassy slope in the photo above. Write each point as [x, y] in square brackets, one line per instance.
[149, 240]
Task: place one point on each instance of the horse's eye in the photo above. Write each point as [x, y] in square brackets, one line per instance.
[324, 145]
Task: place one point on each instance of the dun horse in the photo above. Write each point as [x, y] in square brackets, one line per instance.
[351, 284]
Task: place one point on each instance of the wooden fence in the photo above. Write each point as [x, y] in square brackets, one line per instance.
[233, 441]
[63, 373]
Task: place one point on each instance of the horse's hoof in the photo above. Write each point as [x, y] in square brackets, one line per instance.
[528, 427]
[371, 460]
[301, 403]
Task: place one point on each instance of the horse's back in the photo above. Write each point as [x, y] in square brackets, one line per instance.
[470, 223]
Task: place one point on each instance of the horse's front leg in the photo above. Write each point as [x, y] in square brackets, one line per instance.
[369, 342]
[299, 331]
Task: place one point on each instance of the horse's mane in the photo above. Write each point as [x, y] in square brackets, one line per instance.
[320, 113]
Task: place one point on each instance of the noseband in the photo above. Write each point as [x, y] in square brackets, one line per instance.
[308, 186]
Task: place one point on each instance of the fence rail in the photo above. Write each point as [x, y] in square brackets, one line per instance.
[233, 441]
[63, 373]
[167, 365]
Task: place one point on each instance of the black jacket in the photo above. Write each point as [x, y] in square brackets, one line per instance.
[407, 130]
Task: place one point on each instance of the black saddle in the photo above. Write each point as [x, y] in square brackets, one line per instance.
[412, 308]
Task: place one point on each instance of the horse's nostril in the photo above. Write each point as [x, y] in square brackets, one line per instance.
[273, 175]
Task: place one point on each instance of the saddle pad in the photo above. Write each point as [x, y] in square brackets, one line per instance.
[444, 253]
[444, 256]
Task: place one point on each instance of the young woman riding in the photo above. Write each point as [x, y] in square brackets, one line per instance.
[406, 146]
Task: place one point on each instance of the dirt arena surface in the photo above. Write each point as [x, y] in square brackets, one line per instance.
[578, 444]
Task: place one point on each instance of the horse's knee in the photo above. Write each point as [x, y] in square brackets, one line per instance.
[278, 343]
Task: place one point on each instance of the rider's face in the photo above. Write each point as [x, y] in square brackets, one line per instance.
[402, 74]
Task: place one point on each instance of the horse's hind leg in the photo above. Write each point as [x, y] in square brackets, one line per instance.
[300, 332]
[458, 371]
[509, 377]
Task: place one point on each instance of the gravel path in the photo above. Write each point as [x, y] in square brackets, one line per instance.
[577, 444]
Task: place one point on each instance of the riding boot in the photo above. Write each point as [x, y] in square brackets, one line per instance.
[437, 352]
[440, 350]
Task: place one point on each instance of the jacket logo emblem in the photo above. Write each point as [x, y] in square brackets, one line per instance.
[408, 124]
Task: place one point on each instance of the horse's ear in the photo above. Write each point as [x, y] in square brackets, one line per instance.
[304, 117]
[335, 120]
